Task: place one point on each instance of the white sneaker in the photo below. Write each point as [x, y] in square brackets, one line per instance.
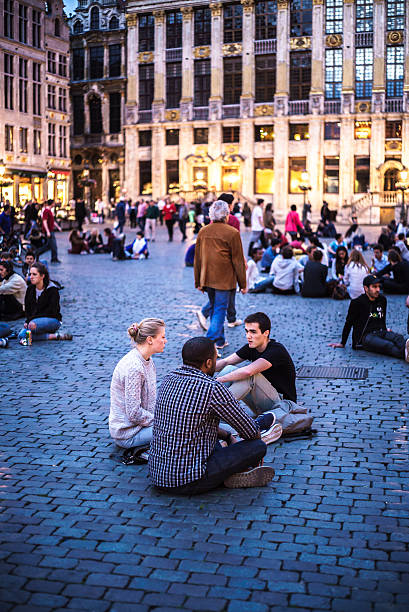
[271, 435]
[407, 350]
[219, 347]
[235, 323]
[257, 477]
[202, 320]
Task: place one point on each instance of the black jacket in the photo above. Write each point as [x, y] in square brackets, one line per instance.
[400, 273]
[364, 316]
[315, 275]
[48, 304]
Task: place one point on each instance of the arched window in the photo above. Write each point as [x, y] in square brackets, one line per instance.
[57, 27]
[390, 178]
[95, 18]
[95, 114]
[114, 23]
[77, 27]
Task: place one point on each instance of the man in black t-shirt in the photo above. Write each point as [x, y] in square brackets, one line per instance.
[271, 373]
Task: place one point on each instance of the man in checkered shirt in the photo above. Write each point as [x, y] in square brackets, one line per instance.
[185, 454]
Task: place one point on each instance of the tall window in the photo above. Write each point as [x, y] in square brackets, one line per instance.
[146, 86]
[94, 21]
[395, 59]
[201, 82]
[8, 82]
[51, 62]
[78, 64]
[96, 62]
[173, 30]
[145, 177]
[62, 99]
[300, 75]
[62, 65]
[77, 27]
[331, 174]
[266, 20]
[363, 72]
[200, 135]
[36, 88]
[51, 139]
[231, 133]
[62, 140]
[232, 80]
[78, 114]
[364, 15]
[95, 115]
[37, 142]
[233, 23]
[263, 133]
[145, 138]
[301, 18]
[8, 20]
[172, 137]
[23, 85]
[57, 28]
[361, 183]
[146, 32]
[332, 130]
[23, 140]
[299, 131]
[334, 16]
[297, 166]
[114, 112]
[393, 129]
[36, 28]
[114, 60]
[395, 14]
[114, 23]
[202, 26]
[263, 176]
[173, 84]
[172, 174]
[8, 137]
[333, 74]
[51, 97]
[22, 23]
[265, 77]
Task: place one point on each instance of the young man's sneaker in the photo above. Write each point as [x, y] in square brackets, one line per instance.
[257, 477]
[202, 320]
[235, 323]
[4, 342]
[219, 347]
[271, 435]
[407, 350]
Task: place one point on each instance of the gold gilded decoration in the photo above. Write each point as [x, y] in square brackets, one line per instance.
[172, 115]
[247, 6]
[393, 145]
[231, 149]
[187, 12]
[348, 1]
[317, 2]
[264, 110]
[216, 8]
[9, 158]
[302, 42]
[282, 4]
[159, 17]
[333, 40]
[363, 107]
[201, 52]
[146, 57]
[232, 49]
[132, 20]
[395, 37]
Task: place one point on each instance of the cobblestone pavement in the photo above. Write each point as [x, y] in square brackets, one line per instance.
[81, 531]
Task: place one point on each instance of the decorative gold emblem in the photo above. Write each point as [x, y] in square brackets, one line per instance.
[146, 57]
[187, 12]
[393, 145]
[363, 107]
[282, 4]
[232, 49]
[349, 1]
[159, 17]
[334, 40]
[264, 110]
[132, 20]
[201, 52]
[172, 115]
[247, 6]
[216, 8]
[302, 42]
[395, 37]
[317, 2]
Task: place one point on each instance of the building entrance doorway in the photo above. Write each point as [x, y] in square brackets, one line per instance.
[390, 178]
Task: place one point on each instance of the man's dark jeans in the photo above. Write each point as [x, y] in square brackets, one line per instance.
[50, 245]
[386, 343]
[391, 286]
[231, 308]
[10, 308]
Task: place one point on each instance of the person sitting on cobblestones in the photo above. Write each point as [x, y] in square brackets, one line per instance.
[12, 293]
[400, 269]
[78, 244]
[270, 373]
[185, 456]
[42, 307]
[138, 249]
[133, 386]
[367, 318]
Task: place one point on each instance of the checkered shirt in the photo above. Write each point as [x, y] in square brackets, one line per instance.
[189, 407]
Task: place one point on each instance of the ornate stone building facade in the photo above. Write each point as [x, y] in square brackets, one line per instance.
[98, 82]
[275, 99]
[34, 102]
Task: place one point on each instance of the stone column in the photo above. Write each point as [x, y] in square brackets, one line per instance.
[283, 59]
[315, 162]
[281, 165]
[215, 151]
[346, 161]
[348, 78]
[132, 69]
[247, 151]
[377, 151]
[378, 88]
[249, 78]
[131, 163]
[86, 115]
[216, 62]
[317, 63]
[158, 162]
[185, 149]
[106, 62]
[105, 179]
[406, 75]
[86, 63]
[158, 106]
[105, 113]
[186, 103]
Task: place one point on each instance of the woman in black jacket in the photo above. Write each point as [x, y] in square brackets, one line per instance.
[42, 307]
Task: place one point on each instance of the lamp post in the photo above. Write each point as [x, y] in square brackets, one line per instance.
[403, 186]
[3, 181]
[304, 185]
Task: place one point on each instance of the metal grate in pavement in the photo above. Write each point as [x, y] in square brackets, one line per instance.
[328, 372]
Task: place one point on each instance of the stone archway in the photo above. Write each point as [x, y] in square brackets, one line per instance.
[388, 174]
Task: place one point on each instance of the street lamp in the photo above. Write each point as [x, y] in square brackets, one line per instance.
[3, 181]
[403, 185]
[304, 185]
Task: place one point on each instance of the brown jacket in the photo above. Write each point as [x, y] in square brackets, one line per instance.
[219, 259]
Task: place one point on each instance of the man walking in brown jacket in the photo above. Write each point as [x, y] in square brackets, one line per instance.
[219, 266]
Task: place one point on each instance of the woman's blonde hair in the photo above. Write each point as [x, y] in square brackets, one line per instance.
[357, 258]
[139, 332]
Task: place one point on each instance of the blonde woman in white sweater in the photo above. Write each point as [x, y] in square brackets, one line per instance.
[133, 386]
[354, 274]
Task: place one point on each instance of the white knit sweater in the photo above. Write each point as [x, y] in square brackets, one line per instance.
[133, 395]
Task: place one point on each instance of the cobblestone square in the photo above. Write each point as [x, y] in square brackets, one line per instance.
[82, 531]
